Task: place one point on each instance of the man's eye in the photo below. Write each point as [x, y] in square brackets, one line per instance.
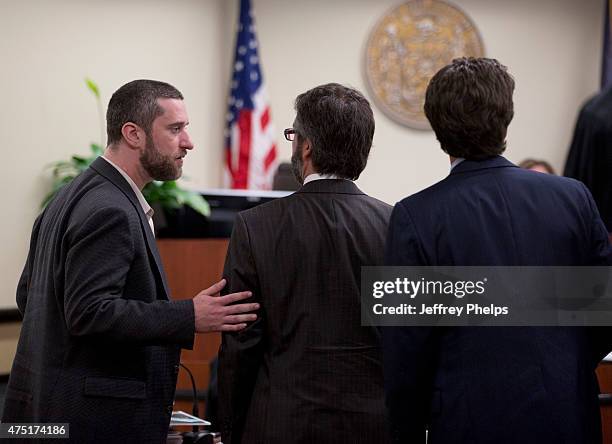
[176, 129]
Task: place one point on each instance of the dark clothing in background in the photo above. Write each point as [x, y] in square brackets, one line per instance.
[306, 371]
[590, 155]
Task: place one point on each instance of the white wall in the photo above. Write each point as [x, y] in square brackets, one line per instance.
[552, 47]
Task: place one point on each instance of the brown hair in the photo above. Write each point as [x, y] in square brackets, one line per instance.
[469, 105]
[530, 163]
[136, 102]
[339, 123]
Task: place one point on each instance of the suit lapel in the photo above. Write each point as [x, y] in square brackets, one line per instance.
[105, 169]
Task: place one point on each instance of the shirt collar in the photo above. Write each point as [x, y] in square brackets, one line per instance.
[456, 162]
[317, 176]
[141, 200]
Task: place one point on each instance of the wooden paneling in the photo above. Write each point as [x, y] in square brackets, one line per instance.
[191, 266]
[604, 374]
[205, 347]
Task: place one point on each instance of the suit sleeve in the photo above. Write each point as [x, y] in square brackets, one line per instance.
[408, 352]
[100, 250]
[241, 353]
[24, 281]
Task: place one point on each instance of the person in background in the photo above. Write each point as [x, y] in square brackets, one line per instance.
[589, 159]
[101, 338]
[307, 371]
[540, 166]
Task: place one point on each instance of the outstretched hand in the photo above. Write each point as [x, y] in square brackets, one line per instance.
[215, 313]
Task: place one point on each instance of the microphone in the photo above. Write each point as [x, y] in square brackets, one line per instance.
[196, 436]
[195, 409]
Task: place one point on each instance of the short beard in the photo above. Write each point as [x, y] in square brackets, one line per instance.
[158, 166]
[296, 164]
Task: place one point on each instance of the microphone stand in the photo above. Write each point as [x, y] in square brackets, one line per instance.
[195, 436]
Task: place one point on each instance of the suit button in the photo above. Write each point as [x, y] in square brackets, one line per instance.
[169, 410]
[176, 369]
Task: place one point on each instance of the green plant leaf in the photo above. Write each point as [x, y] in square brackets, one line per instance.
[93, 87]
[57, 185]
[47, 198]
[171, 196]
[96, 149]
[79, 161]
[61, 169]
[198, 203]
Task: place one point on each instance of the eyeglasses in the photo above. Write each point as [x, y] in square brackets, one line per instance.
[289, 134]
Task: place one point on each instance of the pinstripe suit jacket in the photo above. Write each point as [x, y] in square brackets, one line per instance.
[305, 371]
[100, 341]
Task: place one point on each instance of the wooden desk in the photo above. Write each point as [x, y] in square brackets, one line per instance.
[604, 374]
[193, 265]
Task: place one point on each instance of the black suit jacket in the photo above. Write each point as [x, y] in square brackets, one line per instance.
[100, 341]
[590, 156]
[496, 384]
[306, 371]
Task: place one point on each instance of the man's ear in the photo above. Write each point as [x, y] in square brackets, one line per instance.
[306, 150]
[133, 134]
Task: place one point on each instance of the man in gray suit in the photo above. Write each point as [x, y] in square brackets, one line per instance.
[307, 371]
[100, 342]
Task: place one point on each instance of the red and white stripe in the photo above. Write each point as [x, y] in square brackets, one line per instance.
[252, 159]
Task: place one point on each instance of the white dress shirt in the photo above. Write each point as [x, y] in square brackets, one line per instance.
[148, 211]
[456, 162]
[316, 176]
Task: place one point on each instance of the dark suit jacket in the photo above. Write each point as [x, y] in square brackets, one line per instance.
[305, 371]
[590, 155]
[100, 341]
[495, 384]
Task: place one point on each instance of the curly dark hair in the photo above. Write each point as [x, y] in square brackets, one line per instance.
[469, 105]
[339, 123]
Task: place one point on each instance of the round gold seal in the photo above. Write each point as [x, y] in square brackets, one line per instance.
[407, 47]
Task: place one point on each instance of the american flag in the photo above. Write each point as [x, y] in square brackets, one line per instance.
[250, 148]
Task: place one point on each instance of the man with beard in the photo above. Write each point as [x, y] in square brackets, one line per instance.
[101, 338]
[306, 370]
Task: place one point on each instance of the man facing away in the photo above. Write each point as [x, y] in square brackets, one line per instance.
[100, 342]
[307, 371]
[492, 384]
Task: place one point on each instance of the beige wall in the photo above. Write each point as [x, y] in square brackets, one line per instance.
[552, 47]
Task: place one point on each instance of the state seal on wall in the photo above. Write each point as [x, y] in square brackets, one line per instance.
[407, 47]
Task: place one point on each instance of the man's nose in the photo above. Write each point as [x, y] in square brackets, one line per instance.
[186, 141]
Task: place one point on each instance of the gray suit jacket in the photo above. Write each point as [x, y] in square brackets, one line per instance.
[306, 371]
[100, 342]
